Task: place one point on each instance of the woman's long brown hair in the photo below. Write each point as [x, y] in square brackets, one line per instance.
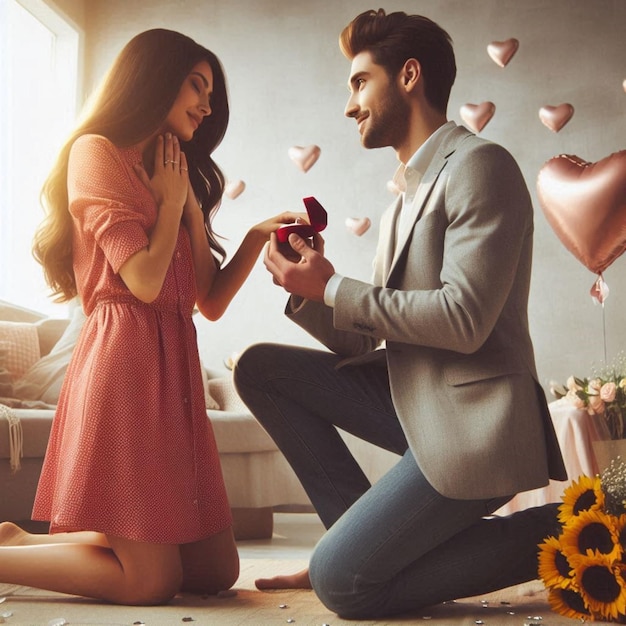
[130, 106]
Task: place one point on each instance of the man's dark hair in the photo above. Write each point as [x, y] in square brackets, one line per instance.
[394, 38]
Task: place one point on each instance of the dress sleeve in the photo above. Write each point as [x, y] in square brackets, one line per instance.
[105, 201]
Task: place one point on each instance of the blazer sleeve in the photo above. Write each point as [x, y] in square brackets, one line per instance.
[460, 265]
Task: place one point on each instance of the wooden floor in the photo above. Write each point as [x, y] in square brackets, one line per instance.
[287, 552]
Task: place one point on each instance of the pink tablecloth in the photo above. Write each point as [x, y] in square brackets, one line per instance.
[575, 433]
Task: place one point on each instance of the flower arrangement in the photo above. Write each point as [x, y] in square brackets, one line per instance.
[603, 395]
[584, 568]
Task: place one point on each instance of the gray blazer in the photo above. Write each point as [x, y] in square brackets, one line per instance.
[449, 299]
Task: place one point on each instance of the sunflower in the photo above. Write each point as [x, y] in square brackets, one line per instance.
[591, 532]
[554, 569]
[584, 495]
[601, 585]
[569, 603]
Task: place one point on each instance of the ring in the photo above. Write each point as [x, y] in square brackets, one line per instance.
[168, 161]
[183, 169]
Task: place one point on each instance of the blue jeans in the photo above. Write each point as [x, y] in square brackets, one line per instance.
[398, 545]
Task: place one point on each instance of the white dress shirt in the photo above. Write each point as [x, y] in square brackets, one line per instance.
[407, 179]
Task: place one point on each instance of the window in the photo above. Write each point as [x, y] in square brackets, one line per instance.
[39, 58]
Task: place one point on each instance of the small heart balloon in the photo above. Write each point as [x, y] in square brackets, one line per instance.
[234, 188]
[556, 117]
[585, 204]
[502, 52]
[304, 157]
[358, 225]
[477, 116]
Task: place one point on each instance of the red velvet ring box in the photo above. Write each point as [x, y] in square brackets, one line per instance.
[318, 219]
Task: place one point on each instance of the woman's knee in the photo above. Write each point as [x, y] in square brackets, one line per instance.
[150, 574]
[153, 590]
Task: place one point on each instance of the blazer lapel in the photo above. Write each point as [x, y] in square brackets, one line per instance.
[387, 242]
[418, 207]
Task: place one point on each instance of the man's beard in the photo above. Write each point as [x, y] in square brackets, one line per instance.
[388, 122]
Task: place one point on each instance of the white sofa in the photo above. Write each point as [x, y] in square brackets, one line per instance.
[35, 350]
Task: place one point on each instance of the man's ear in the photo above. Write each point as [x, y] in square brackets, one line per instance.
[410, 74]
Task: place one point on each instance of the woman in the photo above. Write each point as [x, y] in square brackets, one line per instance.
[131, 482]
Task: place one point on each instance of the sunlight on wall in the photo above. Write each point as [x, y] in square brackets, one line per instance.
[39, 78]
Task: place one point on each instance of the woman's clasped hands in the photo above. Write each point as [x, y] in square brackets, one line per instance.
[169, 183]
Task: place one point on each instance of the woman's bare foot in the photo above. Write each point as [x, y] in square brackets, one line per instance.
[12, 535]
[300, 580]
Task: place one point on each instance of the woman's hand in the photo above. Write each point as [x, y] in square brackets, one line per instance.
[144, 272]
[266, 228]
[170, 181]
[191, 208]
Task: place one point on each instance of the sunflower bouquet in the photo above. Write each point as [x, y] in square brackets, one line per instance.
[584, 568]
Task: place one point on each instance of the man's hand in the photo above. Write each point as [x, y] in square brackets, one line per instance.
[307, 277]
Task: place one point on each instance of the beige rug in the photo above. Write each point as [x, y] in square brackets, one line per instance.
[516, 606]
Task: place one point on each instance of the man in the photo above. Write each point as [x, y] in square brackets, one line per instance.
[454, 390]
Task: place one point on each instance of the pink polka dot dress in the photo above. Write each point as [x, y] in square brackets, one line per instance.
[131, 452]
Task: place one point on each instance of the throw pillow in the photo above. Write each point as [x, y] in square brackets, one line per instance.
[44, 379]
[6, 384]
[209, 400]
[21, 342]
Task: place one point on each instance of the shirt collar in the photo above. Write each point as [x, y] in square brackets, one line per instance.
[422, 157]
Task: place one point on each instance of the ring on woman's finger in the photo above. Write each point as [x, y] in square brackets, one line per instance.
[168, 161]
[183, 169]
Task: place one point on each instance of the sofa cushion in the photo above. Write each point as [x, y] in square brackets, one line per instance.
[15, 313]
[35, 425]
[44, 378]
[239, 432]
[19, 342]
[223, 391]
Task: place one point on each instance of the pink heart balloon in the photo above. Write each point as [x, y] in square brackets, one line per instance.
[476, 116]
[502, 52]
[304, 157]
[358, 225]
[556, 117]
[585, 204]
[234, 188]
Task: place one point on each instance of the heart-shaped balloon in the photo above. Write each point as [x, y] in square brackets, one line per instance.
[304, 157]
[358, 225]
[476, 116]
[585, 204]
[556, 117]
[502, 52]
[234, 188]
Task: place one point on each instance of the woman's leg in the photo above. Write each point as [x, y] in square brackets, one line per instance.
[127, 572]
[12, 535]
[210, 565]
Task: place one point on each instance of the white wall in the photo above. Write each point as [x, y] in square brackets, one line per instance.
[288, 87]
